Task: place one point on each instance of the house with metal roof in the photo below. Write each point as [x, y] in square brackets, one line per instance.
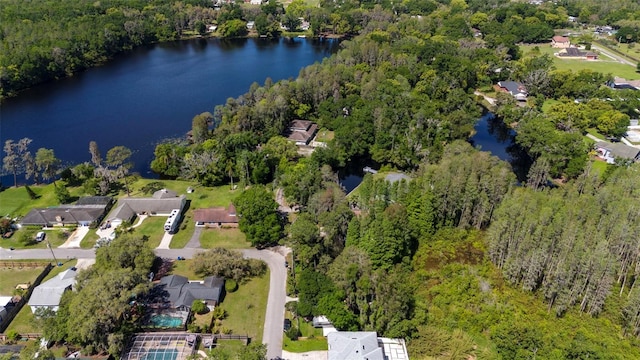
[49, 293]
[516, 89]
[612, 152]
[361, 345]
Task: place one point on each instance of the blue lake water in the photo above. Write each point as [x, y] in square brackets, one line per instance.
[149, 94]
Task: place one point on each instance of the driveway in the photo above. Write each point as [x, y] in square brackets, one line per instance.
[613, 55]
[274, 318]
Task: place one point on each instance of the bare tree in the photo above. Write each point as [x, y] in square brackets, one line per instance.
[18, 159]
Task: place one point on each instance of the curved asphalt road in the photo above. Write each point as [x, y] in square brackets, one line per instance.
[274, 317]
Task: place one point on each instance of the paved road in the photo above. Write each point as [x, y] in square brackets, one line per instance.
[613, 55]
[274, 317]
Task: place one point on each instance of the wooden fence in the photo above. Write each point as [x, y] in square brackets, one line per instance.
[13, 264]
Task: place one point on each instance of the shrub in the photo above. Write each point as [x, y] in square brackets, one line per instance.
[231, 286]
[193, 328]
[293, 333]
[226, 331]
[219, 313]
[62, 194]
[13, 335]
[199, 307]
[152, 187]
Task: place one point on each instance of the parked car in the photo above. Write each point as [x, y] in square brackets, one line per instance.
[287, 324]
[40, 236]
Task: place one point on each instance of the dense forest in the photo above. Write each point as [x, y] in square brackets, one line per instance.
[463, 259]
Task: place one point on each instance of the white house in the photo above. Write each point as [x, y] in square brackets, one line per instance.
[49, 293]
[361, 345]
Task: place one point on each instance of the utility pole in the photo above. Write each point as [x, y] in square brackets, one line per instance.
[52, 254]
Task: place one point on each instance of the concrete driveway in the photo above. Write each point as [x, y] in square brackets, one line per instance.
[309, 355]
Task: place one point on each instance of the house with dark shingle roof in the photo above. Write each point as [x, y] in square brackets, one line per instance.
[180, 293]
[216, 217]
[573, 52]
[161, 203]
[85, 212]
[301, 132]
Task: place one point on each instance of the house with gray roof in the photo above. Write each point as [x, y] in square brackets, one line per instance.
[180, 293]
[611, 152]
[49, 293]
[85, 212]
[361, 345]
[161, 203]
[516, 89]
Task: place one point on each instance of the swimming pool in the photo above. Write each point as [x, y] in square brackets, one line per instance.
[161, 354]
[165, 321]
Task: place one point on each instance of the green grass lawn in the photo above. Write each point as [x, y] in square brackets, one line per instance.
[16, 202]
[25, 322]
[9, 278]
[311, 340]
[605, 66]
[325, 135]
[246, 308]
[599, 166]
[182, 237]
[231, 238]
[201, 197]
[20, 237]
[231, 346]
[183, 267]
[153, 227]
[595, 133]
[89, 240]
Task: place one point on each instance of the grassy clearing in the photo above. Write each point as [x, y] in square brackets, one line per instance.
[232, 346]
[599, 166]
[201, 197]
[325, 135]
[595, 133]
[9, 278]
[304, 345]
[16, 202]
[25, 322]
[247, 307]
[183, 267]
[311, 339]
[231, 238]
[22, 239]
[153, 227]
[604, 66]
[89, 240]
[182, 237]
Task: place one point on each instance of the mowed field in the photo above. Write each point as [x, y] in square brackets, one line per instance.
[604, 64]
